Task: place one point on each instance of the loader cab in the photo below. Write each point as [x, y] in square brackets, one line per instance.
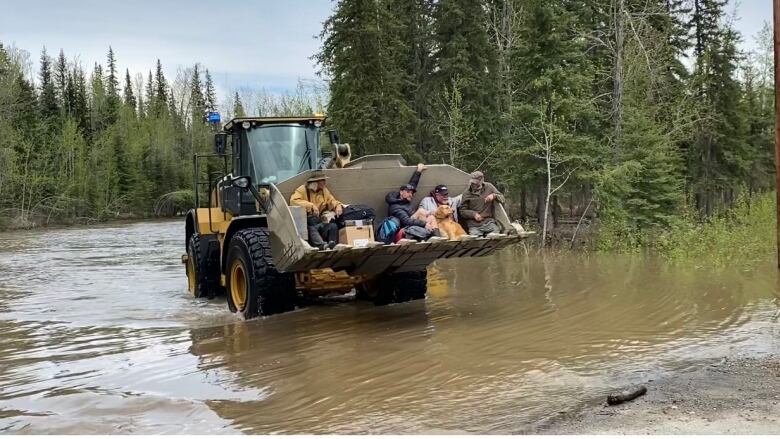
[272, 150]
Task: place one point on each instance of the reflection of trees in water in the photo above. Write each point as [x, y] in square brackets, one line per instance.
[312, 361]
[564, 304]
[500, 316]
[548, 279]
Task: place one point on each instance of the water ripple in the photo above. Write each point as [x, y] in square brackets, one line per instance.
[100, 336]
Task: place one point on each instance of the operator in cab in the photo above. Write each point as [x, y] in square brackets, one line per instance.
[315, 197]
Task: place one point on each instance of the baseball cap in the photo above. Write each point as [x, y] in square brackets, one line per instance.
[441, 189]
[477, 177]
[408, 187]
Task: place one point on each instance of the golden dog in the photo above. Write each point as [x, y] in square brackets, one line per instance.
[445, 223]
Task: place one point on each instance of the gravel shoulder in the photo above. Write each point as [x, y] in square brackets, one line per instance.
[731, 396]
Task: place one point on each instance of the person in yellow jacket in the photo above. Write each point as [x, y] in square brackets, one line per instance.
[315, 197]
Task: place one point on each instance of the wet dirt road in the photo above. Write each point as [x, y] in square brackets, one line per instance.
[100, 336]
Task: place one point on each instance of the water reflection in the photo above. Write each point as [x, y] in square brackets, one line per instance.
[101, 337]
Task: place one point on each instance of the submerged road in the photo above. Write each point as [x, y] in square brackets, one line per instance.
[100, 336]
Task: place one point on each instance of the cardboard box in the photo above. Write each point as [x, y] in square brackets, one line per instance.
[357, 233]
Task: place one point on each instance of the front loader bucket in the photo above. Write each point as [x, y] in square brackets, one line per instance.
[394, 257]
[366, 182]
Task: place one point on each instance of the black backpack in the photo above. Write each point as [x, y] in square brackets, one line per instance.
[355, 212]
[417, 233]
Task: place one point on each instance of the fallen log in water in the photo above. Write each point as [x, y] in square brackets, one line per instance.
[626, 395]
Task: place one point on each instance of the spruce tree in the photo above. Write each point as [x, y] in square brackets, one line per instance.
[48, 95]
[98, 107]
[129, 97]
[642, 185]
[554, 109]
[415, 18]
[363, 54]
[70, 94]
[112, 88]
[26, 113]
[81, 109]
[669, 40]
[705, 22]
[209, 95]
[463, 51]
[718, 158]
[238, 107]
[61, 81]
[197, 101]
[760, 131]
[150, 96]
[161, 88]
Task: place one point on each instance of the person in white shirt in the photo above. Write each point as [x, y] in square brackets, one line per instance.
[440, 196]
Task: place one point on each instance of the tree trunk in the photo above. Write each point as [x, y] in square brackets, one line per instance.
[523, 205]
[618, 9]
[540, 203]
[547, 196]
[571, 205]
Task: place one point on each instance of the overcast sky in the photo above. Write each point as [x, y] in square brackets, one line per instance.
[244, 44]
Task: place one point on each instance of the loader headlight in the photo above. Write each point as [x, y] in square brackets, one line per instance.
[242, 182]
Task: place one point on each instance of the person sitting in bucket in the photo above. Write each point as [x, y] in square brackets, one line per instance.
[477, 206]
[315, 197]
[399, 205]
[440, 196]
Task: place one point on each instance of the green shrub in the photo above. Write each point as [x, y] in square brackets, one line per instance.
[740, 236]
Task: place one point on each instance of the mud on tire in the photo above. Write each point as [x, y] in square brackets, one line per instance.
[204, 279]
[253, 285]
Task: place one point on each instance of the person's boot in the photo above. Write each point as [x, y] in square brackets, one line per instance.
[327, 245]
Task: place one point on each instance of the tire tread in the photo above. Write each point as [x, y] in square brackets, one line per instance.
[275, 291]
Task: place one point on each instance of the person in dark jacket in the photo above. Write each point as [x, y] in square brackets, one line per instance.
[399, 203]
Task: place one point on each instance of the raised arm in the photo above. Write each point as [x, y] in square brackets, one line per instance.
[415, 180]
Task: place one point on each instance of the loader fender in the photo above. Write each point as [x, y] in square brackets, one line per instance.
[240, 223]
[190, 227]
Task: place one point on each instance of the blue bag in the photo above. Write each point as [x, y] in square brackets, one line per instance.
[387, 229]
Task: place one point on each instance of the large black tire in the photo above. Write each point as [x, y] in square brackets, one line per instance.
[254, 287]
[396, 287]
[202, 268]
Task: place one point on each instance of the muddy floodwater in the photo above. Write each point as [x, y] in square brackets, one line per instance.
[99, 335]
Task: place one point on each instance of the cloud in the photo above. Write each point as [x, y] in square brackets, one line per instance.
[258, 44]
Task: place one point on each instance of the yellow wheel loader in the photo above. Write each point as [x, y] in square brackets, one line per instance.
[245, 240]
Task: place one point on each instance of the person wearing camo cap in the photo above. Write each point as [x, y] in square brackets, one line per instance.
[477, 206]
